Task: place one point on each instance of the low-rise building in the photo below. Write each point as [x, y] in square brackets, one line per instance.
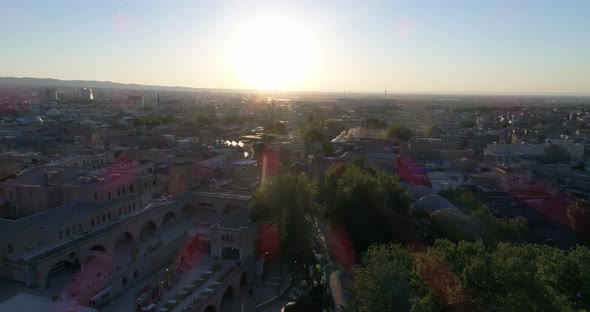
[508, 153]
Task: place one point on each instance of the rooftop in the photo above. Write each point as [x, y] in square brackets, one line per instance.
[30, 303]
[235, 221]
[36, 176]
[53, 217]
[106, 180]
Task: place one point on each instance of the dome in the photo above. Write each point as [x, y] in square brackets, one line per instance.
[433, 203]
[452, 210]
[53, 112]
[420, 191]
[406, 185]
[29, 120]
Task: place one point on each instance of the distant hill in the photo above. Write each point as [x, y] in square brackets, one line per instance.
[50, 82]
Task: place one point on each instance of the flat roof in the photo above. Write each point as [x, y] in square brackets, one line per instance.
[244, 162]
[36, 176]
[25, 302]
[238, 219]
[54, 217]
[110, 179]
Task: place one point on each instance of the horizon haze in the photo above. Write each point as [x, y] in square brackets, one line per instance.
[530, 47]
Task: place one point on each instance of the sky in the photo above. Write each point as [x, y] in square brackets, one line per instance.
[430, 46]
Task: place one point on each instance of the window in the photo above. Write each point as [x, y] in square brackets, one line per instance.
[118, 192]
[79, 227]
[103, 218]
[124, 281]
[130, 188]
[61, 234]
[109, 195]
[10, 194]
[109, 215]
[133, 206]
[123, 190]
[73, 229]
[154, 183]
[135, 274]
[92, 221]
[9, 248]
[119, 210]
[95, 196]
[144, 183]
[67, 231]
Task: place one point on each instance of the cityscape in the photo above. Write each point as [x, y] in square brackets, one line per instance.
[288, 185]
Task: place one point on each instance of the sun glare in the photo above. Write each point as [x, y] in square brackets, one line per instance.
[273, 53]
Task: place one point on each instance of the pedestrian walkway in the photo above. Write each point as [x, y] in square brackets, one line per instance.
[128, 299]
[337, 291]
[262, 292]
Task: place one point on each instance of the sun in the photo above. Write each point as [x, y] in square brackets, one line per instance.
[273, 54]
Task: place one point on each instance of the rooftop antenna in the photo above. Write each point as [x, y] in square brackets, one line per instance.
[385, 95]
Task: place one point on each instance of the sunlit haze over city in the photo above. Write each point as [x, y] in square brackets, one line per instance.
[294, 156]
[436, 46]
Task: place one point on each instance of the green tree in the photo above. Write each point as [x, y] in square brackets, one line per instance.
[374, 124]
[284, 155]
[470, 276]
[229, 119]
[268, 137]
[516, 277]
[400, 132]
[478, 225]
[334, 126]
[203, 119]
[152, 120]
[372, 207]
[314, 135]
[384, 282]
[288, 200]
[462, 199]
[468, 123]
[475, 224]
[276, 127]
[441, 286]
[433, 131]
[581, 257]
